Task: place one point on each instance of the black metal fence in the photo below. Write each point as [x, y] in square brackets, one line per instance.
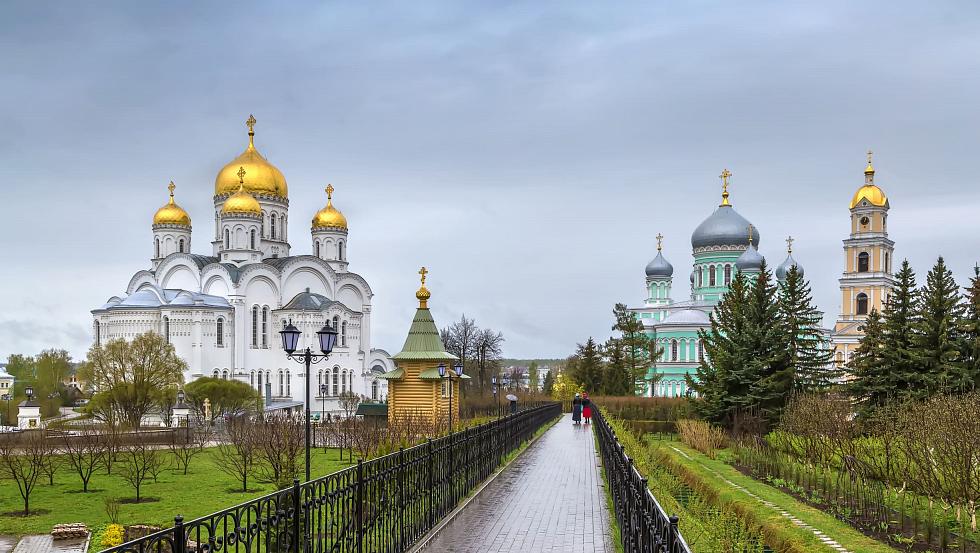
[643, 524]
[382, 505]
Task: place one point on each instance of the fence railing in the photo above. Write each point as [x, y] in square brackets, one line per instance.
[382, 505]
[643, 524]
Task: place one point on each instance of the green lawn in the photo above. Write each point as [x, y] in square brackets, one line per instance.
[203, 490]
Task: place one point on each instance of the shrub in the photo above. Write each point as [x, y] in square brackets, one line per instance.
[112, 509]
[702, 436]
[112, 536]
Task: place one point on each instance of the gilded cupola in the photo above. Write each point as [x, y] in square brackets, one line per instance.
[870, 191]
[329, 217]
[171, 213]
[263, 178]
[241, 202]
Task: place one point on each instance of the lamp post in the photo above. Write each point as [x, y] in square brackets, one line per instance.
[458, 369]
[493, 381]
[323, 410]
[181, 396]
[290, 338]
[29, 392]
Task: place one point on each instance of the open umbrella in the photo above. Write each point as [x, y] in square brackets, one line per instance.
[511, 397]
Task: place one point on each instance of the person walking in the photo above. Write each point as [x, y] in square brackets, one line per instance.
[577, 409]
[586, 408]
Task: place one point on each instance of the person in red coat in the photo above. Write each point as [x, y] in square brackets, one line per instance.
[586, 408]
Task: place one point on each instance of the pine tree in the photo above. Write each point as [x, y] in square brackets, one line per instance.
[970, 331]
[532, 376]
[870, 384]
[549, 381]
[904, 378]
[587, 366]
[639, 350]
[616, 377]
[936, 342]
[808, 352]
[769, 370]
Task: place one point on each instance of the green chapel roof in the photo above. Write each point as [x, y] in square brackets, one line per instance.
[423, 342]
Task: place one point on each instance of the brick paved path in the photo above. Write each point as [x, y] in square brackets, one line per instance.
[549, 499]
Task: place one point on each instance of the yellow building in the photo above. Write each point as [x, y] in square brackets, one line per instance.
[868, 254]
[415, 387]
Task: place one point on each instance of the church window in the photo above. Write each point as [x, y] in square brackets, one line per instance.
[98, 334]
[260, 382]
[220, 339]
[700, 350]
[340, 251]
[862, 304]
[673, 350]
[281, 383]
[343, 334]
[711, 275]
[282, 227]
[336, 322]
[157, 241]
[316, 245]
[272, 226]
[288, 391]
[374, 390]
[265, 327]
[255, 326]
[227, 239]
[863, 262]
[214, 374]
[224, 374]
[180, 247]
[335, 376]
[888, 266]
[728, 275]
[840, 359]
[251, 379]
[700, 276]
[252, 239]
[166, 329]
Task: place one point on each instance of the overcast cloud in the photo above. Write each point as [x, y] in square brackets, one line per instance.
[526, 152]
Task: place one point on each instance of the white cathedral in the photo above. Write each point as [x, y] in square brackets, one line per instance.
[223, 312]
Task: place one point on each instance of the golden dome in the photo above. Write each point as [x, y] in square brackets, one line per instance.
[171, 214]
[870, 190]
[263, 177]
[241, 201]
[423, 293]
[329, 217]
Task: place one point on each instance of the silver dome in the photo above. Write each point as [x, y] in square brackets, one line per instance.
[750, 260]
[660, 267]
[783, 269]
[724, 227]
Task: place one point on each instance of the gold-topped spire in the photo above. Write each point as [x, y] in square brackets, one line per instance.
[750, 227]
[869, 171]
[660, 242]
[329, 190]
[724, 186]
[329, 216]
[423, 294]
[171, 187]
[250, 123]
[241, 177]
[171, 214]
[264, 178]
[789, 244]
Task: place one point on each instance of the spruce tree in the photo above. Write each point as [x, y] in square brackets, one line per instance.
[970, 331]
[808, 351]
[639, 350]
[769, 370]
[587, 369]
[616, 377]
[936, 342]
[904, 378]
[870, 385]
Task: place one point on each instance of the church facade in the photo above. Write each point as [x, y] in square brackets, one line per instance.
[725, 244]
[223, 310]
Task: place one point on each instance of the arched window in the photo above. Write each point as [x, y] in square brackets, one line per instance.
[260, 384]
[336, 322]
[251, 379]
[157, 241]
[862, 304]
[282, 227]
[728, 275]
[700, 276]
[343, 334]
[673, 350]
[863, 262]
[700, 350]
[180, 246]
[316, 246]
[255, 326]
[224, 374]
[319, 378]
[840, 358]
[227, 239]
[251, 239]
[166, 329]
[288, 382]
[888, 266]
[711, 275]
[340, 251]
[265, 326]
[214, 374]
[336, 375]
[374, 390]
[272, 226]
[220, 333]
[282, 383]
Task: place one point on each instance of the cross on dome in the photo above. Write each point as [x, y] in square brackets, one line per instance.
[250, 123]
[750, 234]
[660, 242]
[789, 244]
[423, 294]
[171, 187]
[329, 190]
[423, 271]
[241, 175]
[725, 175]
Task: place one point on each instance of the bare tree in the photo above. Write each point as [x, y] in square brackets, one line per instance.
[52, 462]
[459, 339]
[24, 462]
[85, 453]
[138, 461]
[238, 456]
[281, 441]
[186, 443]
[489, 348]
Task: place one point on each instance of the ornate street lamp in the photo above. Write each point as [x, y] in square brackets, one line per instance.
[290, 338]
[29, 391]
[458, 369]
[493, 381]
[323, 410]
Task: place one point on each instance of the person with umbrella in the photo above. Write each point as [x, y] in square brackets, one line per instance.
[513, 403]
[577, 409]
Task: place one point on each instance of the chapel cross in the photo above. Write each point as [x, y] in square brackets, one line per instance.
[660, 241]
[789, 244]
[423, 271]
[329, 190]
[241, 175]
[750, 233]
[724, 186]
[250, 123]
[171, 187]
[869, 156]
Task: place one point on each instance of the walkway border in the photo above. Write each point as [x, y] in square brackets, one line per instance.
[424, 540]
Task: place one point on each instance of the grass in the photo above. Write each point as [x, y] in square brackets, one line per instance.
[203, 490]
[705, 475]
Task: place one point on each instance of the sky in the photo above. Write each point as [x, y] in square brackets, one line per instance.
[527, 153]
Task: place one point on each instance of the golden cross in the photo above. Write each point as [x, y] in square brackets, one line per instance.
[789, 244]
[750, 234]
[423, 271]
[241, 175]
[660, 241]
[171, 187]
[724, 186]
[329, 190]
[869, 156]
[250, 123]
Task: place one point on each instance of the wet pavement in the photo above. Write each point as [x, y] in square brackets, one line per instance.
[45, 544]
[549, 499]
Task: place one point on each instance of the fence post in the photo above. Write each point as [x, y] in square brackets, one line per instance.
[672, 534]
[296, 515]
[360, 505]
[401, 498]
[180, 541]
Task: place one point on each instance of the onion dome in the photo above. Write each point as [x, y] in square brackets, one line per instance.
[660, 267]
[785, 266]
[724, 227]
[423, 293]
[870, 191]
[241, 202]
[263, 177]
[329, 217]
[750, 260]
[171, 214]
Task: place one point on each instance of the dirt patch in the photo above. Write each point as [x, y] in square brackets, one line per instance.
[132, 500]
[20, 513]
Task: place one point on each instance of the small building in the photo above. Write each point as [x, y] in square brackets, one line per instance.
[415, 387]
[29, 414]
[6, 382]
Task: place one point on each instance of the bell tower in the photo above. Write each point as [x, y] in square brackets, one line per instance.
[868, 256]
